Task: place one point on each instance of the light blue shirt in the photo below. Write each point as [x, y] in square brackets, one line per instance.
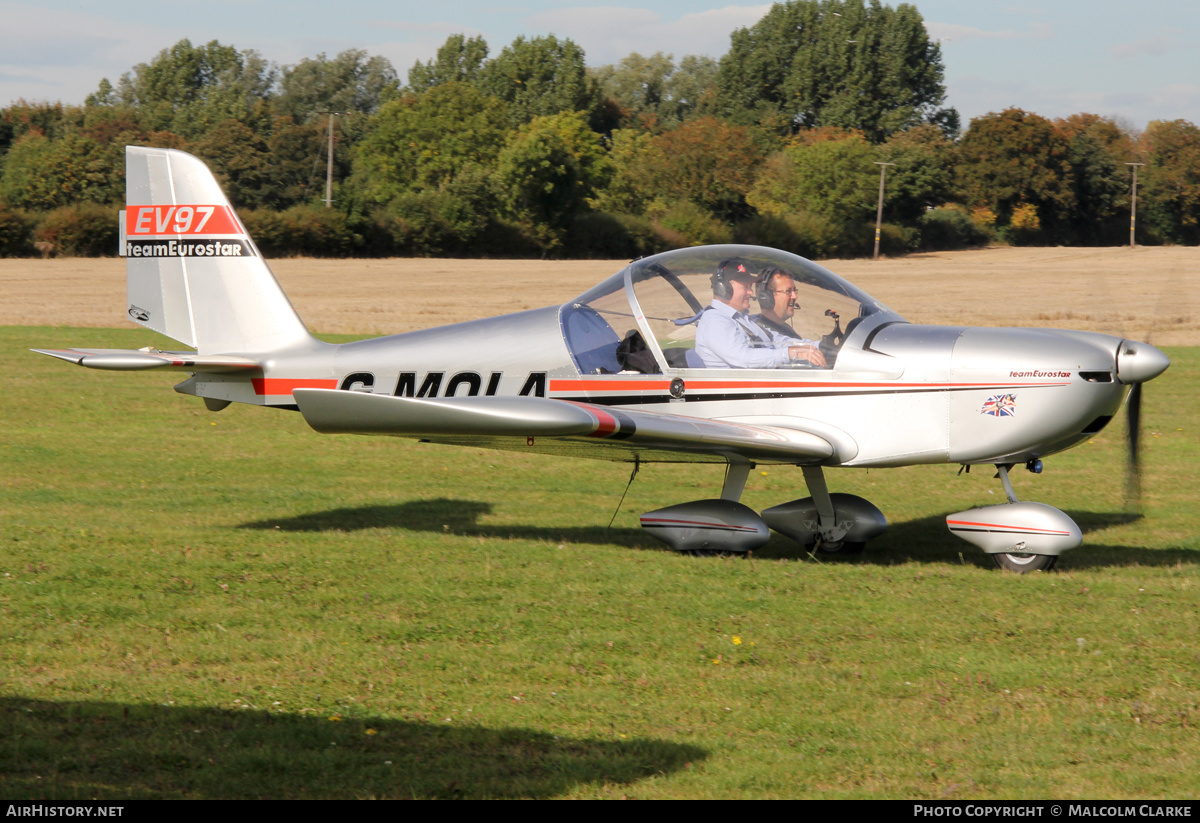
[729, 339]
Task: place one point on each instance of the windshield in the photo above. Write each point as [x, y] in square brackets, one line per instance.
[657, 302]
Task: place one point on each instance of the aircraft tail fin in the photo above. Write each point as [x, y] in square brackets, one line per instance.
[193, 273]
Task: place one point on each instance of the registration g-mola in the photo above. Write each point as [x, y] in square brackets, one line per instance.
[614, 374]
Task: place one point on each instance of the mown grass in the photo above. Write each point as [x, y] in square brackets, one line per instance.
[231, 605]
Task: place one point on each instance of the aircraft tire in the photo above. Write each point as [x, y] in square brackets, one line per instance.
[1024, 563]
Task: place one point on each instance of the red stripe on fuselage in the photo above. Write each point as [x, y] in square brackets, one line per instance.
[575, 385]
[694, 384]
[274, 386]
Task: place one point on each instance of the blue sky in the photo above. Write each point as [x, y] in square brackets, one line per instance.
[1133, 61]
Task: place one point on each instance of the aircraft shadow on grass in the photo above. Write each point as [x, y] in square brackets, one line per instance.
[459, 517]
[67, 750]
[923, 540]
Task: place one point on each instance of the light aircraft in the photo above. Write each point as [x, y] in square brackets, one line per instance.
[614, 374]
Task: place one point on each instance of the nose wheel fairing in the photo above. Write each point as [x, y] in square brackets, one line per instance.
[1016, 528]
[1020, 537]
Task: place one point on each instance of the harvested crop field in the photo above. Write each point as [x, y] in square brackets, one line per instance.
[1147, 293]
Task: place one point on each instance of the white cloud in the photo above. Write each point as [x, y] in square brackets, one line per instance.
[955, 32]
[976, 96]
[1148, 47]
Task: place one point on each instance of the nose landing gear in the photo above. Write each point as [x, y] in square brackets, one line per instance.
[1020, 537]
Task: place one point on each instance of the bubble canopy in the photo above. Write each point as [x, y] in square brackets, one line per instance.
[661, 296]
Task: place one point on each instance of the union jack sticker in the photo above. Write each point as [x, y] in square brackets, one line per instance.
[1000, 405]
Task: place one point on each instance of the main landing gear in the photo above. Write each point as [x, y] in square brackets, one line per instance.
[830, 523]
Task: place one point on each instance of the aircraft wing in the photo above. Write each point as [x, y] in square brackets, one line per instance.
[544, 425]
[139, 359]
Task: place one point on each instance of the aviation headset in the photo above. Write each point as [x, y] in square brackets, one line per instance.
[722, 290]
[762, 288]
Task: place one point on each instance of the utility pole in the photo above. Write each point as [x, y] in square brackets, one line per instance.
[879, 210]
[329, 160]
[1133, 205]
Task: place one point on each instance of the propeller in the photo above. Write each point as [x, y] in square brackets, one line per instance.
[1133, 435]
[1136, 363]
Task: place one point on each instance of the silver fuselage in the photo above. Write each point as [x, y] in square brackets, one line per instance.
[899, 393]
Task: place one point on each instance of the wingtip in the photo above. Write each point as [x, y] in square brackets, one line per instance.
[69, 355]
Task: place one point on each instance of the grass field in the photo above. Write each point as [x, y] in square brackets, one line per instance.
[199, 605]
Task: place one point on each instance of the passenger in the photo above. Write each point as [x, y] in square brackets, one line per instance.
[776, 293]
[726, 337]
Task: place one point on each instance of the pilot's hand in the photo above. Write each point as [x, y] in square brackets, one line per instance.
[810, 353]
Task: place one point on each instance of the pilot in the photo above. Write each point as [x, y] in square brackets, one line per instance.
[726, 337]
[776, 293]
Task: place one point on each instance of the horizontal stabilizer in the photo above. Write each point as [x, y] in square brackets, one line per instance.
[140, 359]
[489, 420]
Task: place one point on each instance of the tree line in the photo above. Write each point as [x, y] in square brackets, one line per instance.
[532, 153]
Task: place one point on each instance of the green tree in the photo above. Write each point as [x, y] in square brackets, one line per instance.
[423, 141]
[630, 189]
[1014, 159]
[1171, 195]
[296, 159]
[705, 161]
[351, 82]
[923, 175]
[1097, 150]
[48, 119]
[828, 174]
[104, 95]
[459, 60]
[847, 64]
[539, 77]
[16, 232]
[653, 93]
[40, 173]
[692, 89]
[446, 220]
[548, 171]
[239, 158]
[189, 89]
